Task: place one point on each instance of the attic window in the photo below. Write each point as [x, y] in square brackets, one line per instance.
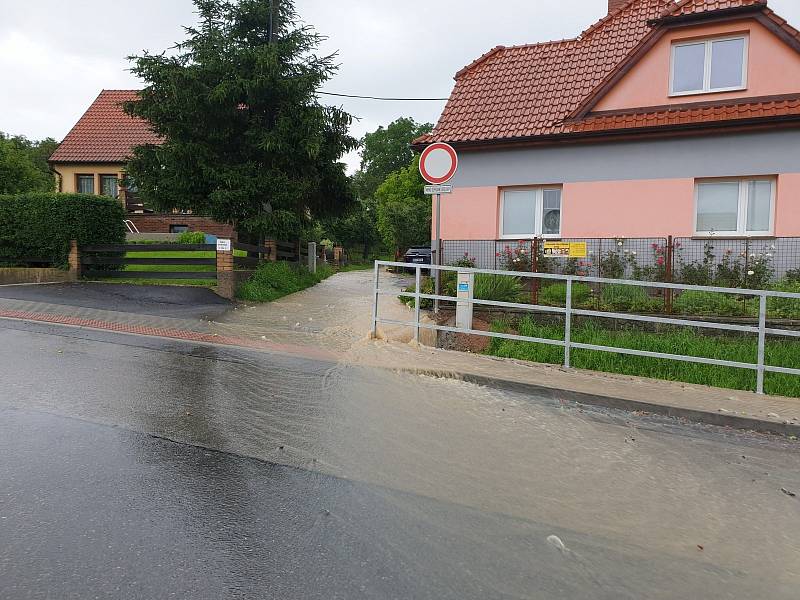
[704, 66]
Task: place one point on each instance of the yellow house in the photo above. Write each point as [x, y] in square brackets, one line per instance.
[93, 155]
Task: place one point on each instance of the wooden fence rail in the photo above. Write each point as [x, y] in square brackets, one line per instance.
[111, 261]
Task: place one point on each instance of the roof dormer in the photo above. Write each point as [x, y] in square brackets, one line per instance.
[704, 56]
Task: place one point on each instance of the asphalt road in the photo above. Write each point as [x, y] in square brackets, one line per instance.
[144, 468]
[156, 300]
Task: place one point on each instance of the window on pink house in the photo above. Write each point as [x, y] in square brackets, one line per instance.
[705, 66]
[530, 212]
[740, 207]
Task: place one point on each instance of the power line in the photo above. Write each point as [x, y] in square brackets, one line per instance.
[384, 99]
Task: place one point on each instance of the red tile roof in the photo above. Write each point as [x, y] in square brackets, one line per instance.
[531, 91]
[689, 114]
[105, 134]
[694, 7]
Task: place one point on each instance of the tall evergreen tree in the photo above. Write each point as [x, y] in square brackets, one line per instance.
[245, 137]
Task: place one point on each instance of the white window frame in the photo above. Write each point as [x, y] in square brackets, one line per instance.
[707, 89]
[538, 210]
[741, 216]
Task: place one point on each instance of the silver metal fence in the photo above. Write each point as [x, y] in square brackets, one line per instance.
[569, 312]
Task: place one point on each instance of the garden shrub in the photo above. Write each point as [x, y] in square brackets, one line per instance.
[273, 280]
[498, 288]
[708, 303]
[623, 298]
[555, 294]
[784, 308]
[41, 225]
[613, 264]
[192, 237]
[465, 261]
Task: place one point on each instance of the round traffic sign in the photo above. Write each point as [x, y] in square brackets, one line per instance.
[438, 163]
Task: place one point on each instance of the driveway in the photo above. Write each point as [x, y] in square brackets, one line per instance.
[157, 300]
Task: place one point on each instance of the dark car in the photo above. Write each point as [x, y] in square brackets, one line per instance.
[418, 256]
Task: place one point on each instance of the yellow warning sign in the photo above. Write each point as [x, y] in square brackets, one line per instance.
[565, 249]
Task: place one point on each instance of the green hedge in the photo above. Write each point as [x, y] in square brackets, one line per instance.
[41, 225]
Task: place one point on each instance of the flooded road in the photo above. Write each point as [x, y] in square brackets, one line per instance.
[139, 467]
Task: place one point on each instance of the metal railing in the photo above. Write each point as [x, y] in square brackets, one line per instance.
[568, 311]
[131, 226]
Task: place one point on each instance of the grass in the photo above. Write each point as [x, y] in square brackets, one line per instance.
[779, 352]
[183, 282]
[176, 254]
[275, 280]
[354, 267]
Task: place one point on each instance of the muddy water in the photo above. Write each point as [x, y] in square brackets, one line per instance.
[650, 486]
[631, 500]
[640, 508]
[334, 315]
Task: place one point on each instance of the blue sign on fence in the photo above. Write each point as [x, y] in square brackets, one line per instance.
[463, 287]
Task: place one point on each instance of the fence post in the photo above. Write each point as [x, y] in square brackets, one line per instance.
[226, 282]
[568, 324]
[375, 303]
[598, 265]
[74, 259]
[762, 341]
[272, 250]
[312, 257]
[337, 256]
[535, 269]
[417, 303]
[668, 275]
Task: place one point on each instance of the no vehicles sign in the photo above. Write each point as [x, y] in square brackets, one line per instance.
[438, 163]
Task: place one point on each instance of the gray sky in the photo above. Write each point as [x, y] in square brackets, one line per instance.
[56, 55]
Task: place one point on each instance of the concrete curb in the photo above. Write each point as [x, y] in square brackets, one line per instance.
[719, 419]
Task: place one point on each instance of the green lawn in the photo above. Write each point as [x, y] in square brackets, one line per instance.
[187, 282]
[180, 268]
[781, 352]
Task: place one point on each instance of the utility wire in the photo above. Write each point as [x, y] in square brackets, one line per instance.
[384, 99]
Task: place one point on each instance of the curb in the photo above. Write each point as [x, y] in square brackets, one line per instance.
[561, 395]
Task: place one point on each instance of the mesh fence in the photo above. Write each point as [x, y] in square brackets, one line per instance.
[742, 263]
[745, 263]
[736, 263]
[614, 258]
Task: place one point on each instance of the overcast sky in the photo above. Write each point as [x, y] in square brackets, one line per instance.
[56, 55]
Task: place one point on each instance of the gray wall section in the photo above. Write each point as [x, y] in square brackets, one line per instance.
[708, 156]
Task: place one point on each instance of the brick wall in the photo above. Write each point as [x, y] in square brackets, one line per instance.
[160, 223]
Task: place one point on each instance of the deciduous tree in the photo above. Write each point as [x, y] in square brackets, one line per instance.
[23, 165]
[404, 212]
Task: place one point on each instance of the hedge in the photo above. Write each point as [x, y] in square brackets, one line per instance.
[41, 225]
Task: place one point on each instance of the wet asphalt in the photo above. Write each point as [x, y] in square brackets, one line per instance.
[155, 300]
[137, 467]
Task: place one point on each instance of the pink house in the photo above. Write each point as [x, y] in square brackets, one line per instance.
[664, 118]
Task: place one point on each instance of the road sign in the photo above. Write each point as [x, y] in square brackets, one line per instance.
[438, 163]
[223, 245]
[432, 190]
[565, 249]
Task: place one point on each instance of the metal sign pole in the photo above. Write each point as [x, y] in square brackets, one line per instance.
[438, 259]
